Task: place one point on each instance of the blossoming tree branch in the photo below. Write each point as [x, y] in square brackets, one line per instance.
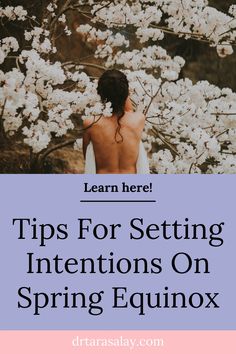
[190, 127]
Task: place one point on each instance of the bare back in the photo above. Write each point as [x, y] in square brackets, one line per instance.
[112, 156]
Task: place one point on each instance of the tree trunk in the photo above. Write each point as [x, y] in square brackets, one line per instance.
[3, 137]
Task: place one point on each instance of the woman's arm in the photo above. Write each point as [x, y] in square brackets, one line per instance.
[86, 136]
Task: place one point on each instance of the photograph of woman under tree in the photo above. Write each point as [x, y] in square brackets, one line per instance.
[178, 57]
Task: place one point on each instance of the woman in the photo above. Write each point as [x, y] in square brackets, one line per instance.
[113, 144]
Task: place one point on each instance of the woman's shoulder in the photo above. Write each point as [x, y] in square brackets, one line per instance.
[137, 117]
[88, 121]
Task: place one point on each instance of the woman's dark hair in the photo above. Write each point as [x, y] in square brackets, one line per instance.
[113, 87]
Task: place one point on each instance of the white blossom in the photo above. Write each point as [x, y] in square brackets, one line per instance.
[224, 49]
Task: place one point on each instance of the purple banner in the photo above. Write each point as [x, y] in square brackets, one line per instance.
[117, 252]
